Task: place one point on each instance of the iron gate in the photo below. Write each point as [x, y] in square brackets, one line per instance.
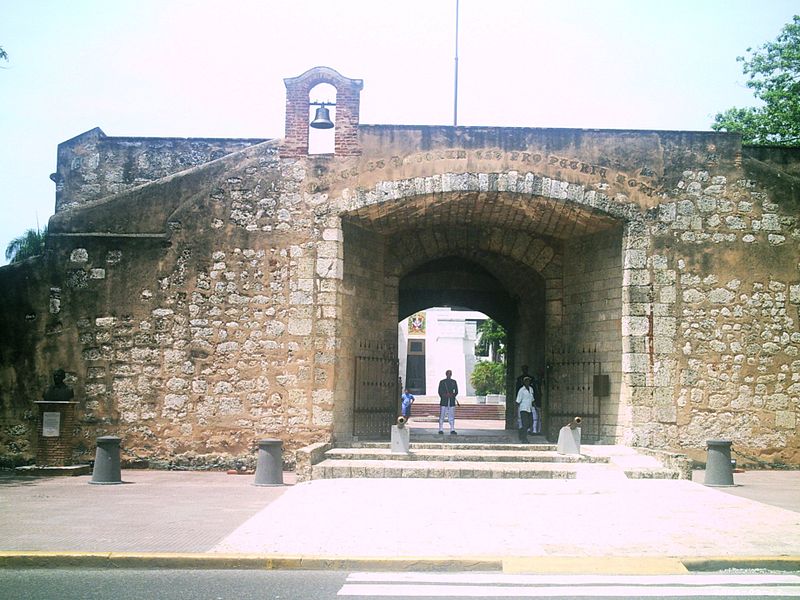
[575, 386]
[376, 390]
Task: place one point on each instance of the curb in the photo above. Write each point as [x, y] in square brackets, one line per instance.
[617, 565]
[176, 560]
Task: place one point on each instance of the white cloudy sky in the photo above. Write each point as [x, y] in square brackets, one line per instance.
[214, 68]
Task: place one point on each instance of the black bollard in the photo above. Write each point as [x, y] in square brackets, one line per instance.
[106, 461]
[719, 470]
[269, 468]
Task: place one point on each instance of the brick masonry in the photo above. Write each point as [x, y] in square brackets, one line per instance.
[58, 450]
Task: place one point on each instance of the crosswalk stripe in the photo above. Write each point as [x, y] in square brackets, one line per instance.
[555, 580]
[498, 585]
[499, 591]
[488, 591]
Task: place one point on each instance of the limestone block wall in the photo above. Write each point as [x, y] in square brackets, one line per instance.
[204, 310]
[591, 329]
[723, 266]
[193, 343]
[93, 165]
[369, 301]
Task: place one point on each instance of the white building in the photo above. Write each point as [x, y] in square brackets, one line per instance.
[432, 341]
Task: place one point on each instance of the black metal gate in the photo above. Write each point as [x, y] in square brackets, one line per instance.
[575, 387]
[376, 390]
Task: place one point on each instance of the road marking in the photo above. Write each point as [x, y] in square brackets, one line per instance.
[482, 585]
[488, 591]
[483, 578]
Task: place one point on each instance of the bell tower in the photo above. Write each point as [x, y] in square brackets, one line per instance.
[298, 103]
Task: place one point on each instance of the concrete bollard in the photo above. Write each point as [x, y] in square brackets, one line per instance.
[401, 437]
[106, 461]
[569, 437]
[719, 470]
[269, 467]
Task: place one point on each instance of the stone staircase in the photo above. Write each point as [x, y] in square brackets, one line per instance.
[464, 411]
[498, 460]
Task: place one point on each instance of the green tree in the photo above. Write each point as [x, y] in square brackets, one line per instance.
[774, 76]
[30, 243]
[488, 378]
[3, 54]
[491, 335]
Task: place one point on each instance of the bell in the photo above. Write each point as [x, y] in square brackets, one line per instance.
[322, 120]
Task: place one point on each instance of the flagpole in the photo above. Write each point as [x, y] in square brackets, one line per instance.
[455, 80]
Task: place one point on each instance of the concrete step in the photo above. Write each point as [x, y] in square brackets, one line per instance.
[463, 453]
[474, 436]
[434, 469]
[455, 458]
[456, 444]
[331, 469]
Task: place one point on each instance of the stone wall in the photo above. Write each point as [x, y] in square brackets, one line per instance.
[204, 310]
[728, 256]
[193, 343]
[93, 165]
[592, 331]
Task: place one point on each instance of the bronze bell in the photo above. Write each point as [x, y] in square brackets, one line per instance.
[322, 120]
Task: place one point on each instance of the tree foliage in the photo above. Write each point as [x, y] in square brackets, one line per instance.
[774, 76]
[3, 54]
[488, 378]
[491, 335]
[30, 243]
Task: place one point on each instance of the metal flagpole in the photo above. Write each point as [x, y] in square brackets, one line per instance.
[455, 86]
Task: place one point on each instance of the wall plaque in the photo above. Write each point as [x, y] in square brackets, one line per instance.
[51, 424]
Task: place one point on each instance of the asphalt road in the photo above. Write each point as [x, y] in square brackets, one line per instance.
[97, 584]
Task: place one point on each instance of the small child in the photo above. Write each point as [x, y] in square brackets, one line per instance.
[407, 401]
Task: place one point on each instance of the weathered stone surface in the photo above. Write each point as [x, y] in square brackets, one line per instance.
[245, 285]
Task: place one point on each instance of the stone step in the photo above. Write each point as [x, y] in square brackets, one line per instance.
[465, 411]
[336, 468]
[450, 453]
[331, 469]
[449, 459]
[462, 445]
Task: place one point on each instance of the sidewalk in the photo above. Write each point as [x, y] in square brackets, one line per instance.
[202, 518]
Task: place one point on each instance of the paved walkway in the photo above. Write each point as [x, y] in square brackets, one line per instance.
[413, 519]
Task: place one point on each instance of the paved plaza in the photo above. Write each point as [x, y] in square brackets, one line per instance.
[216, 514]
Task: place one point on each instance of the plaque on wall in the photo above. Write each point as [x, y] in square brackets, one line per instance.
[51, 424]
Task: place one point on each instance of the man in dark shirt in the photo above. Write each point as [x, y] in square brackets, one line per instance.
[448, 390]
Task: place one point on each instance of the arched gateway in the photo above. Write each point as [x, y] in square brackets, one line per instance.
[548, 266]
[202, 294]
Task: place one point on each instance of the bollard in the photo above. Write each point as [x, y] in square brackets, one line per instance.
[269, 468]
[569, 437]
[719, 471]
[106, 461]
[401, 437]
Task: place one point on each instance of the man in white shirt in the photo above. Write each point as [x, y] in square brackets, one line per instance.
[525, 402]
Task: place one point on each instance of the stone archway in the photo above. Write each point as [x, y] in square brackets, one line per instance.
[557, 251]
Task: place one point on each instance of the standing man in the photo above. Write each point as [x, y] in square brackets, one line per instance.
[525, 403]
[537, 399]
[448, 390]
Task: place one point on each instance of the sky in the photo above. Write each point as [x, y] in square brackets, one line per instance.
[214, 68]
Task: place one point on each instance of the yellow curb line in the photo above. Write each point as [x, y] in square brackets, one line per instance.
[529, 564]
[176, 560]
[594, 565]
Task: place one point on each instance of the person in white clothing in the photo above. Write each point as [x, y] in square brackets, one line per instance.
[525, 404]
